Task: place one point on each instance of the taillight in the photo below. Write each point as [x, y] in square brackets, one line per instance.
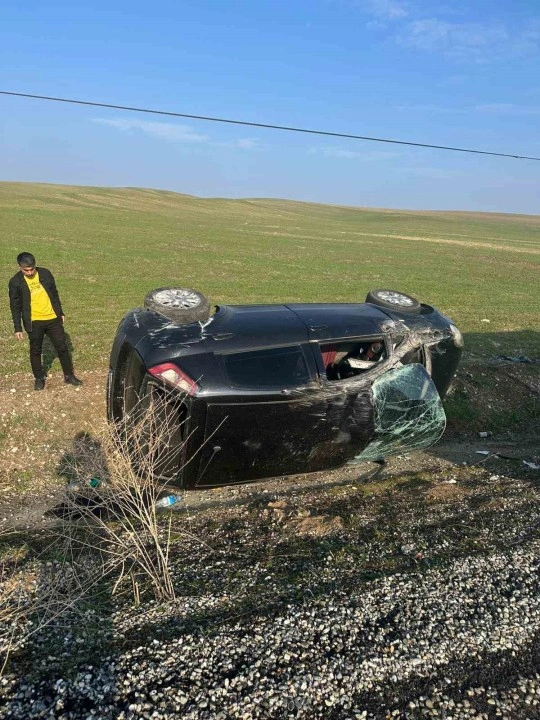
[172, 375]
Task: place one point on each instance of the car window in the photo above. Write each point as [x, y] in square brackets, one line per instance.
[269, 368]
[344, 359]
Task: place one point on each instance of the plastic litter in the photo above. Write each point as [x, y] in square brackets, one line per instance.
[531, 465]
[165, 502]
[79, 485]
[485, 434]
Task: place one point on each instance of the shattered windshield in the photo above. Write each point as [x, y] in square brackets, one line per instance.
[408, 413]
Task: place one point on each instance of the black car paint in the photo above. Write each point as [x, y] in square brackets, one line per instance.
[235, 435]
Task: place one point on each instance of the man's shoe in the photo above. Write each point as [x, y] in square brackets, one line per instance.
[39, 384]
[72, 380]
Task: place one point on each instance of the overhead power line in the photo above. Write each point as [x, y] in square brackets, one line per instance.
[265, 125]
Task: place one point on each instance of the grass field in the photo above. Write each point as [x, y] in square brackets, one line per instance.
[249, 555]
[108, 247]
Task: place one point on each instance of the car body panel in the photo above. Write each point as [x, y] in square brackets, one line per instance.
[265, 404]
[326, 321]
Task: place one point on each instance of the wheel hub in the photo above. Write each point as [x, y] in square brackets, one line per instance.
[395, 298]
[177, 298]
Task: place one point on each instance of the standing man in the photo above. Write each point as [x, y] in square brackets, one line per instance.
[35, 304]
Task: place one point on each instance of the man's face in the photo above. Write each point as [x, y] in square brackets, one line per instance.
[28, 270]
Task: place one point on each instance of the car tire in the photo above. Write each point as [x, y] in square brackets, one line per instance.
[180, 305]
[393, 300]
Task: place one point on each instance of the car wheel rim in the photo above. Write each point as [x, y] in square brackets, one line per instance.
[395, 298]
[171, 298]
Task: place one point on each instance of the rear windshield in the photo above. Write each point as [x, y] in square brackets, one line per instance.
[270, 368]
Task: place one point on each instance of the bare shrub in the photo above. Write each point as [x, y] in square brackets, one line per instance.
[111, 506]
[42, 581]
[110, 534]
[13, 594]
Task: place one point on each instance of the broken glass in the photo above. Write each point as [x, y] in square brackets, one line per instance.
[408, 413]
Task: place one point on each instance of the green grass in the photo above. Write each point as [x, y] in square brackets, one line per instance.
[108, 247]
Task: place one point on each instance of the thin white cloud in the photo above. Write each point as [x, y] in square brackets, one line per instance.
[478, 42]
[174, 133]
[461, 41]
[491, 108]
[241, 144]
[507, 109]
[160, 130]
[432, 109]
[453, 80]
[345, 153]
[387, 9]
[247, 144]
[433, 173]
[341, 153]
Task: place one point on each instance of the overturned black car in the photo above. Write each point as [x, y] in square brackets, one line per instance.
[255, 391]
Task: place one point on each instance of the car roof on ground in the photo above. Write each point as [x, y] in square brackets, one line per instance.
[237, 328]
[293, 323]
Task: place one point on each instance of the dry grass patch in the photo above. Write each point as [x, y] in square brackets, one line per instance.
[317, 526]
[446, 491]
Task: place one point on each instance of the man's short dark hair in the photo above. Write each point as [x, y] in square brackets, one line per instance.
[26, 260]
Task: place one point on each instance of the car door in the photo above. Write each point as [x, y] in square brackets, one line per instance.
[278, 420]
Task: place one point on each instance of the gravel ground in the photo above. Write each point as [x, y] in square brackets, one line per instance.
[410, 593]
[405, 596]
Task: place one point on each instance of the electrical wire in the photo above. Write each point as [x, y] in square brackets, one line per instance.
[266, 125]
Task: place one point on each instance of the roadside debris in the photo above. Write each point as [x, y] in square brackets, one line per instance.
[77, 485]
[503, 456]
[407, 549]
[166, 502]
[517, 359]
[485, 434]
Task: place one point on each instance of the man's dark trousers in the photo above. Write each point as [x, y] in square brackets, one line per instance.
[55, 331]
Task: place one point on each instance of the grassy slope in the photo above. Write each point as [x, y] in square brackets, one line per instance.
[108, 247]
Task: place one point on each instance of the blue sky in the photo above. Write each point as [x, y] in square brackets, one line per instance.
[463, 74]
